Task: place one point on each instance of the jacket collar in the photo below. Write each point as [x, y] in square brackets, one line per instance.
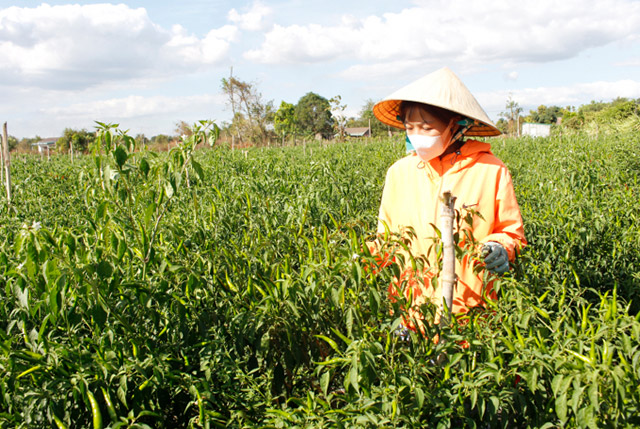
[464, 157]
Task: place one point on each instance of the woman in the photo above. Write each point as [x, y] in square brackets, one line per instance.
[437, 112]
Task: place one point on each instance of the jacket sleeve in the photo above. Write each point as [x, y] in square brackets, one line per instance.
[386, 204]
[384, 218]
[384, 215]
[507, 229]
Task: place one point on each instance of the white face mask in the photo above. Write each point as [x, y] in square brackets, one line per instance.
[427, 147]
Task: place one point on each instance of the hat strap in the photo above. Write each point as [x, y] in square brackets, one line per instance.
[407, 143]
[466, 125]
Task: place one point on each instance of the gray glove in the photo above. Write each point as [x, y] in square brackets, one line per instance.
[495, 257]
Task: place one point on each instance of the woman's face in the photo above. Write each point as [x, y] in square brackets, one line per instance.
[420, 121]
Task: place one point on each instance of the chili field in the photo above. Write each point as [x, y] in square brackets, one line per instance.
[218, 288]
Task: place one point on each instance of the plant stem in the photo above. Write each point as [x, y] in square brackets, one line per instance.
[448, 274]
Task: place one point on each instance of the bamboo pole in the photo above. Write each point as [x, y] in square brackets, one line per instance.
[7, 162]
[448, 274]
[1, 160]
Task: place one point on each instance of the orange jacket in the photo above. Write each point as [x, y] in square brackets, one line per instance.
[481, 182]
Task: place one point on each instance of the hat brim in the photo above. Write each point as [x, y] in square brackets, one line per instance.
[387, 112]
[442, 89]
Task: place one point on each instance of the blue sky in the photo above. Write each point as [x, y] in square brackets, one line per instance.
[148, 64]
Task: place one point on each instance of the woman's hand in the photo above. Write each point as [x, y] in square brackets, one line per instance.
[495, 257]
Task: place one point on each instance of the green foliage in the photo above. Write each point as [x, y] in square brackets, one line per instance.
[594, 106]
[206, 289]
[80, 140]
[501, 124]
[161, 140]
[313, 113]
[13, 142]
[544, 115]
[366, 117]
[339, 118]
[141, 140]
[25, 143]
[252, 118]
[620, 109]
[620, 115]
[284, 119]
[512, 116]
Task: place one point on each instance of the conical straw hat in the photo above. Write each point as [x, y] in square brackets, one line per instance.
[441, 88]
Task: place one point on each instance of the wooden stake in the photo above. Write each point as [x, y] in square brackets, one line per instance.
[448, 274]
[1, 160]
[7, 162]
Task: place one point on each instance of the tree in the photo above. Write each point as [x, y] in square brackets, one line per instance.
[183, 129]
[13, 142]
[502, 125]
[25, 143]
[284, 120]
[160, 140]
[340, 120]
[366, 118]
[252, 118]
[262, 114]
[314, 115]
[544, 114]
[141, 140]
[80, 140]
[512, 115]
[594, 106]
[618, 110]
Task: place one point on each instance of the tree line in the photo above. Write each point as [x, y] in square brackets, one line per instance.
[620, 114]
[256, 122]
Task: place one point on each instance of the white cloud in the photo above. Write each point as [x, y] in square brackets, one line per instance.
[459, 31]
[379, 71]
[512, 76]
[134, 106]
[75, 47]
[212, 49]
[257, 18]
[297, 44]
[150, 115]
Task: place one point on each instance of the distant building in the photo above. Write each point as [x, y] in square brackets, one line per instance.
[45, 145]
[357, 132]
[536, 130]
